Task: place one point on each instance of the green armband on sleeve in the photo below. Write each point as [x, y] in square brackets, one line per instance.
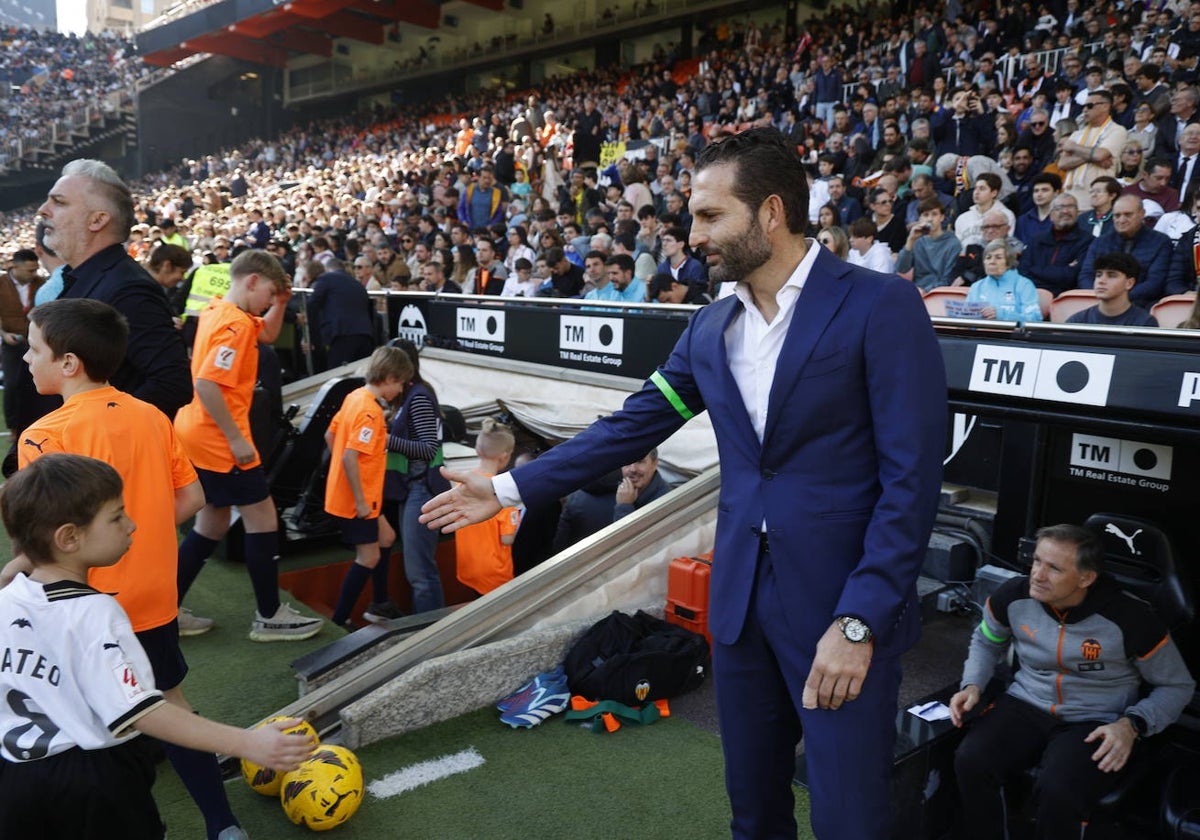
[989, 635]
[672, 396]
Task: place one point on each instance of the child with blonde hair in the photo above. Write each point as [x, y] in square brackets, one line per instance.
[484, 550]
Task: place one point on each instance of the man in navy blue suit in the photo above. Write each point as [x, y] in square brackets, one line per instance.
[826, 391]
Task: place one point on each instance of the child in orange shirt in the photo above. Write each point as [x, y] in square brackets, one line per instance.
[75, 345]
[484, 551]
[215, 430]
[357, 441]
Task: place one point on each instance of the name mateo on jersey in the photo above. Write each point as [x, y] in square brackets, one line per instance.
[22, 661]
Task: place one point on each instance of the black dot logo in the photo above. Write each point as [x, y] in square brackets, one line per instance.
[1072, 377]
[606, 335]
[492, 325]
[1145, 459]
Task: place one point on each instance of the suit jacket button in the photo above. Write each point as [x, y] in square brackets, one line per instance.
[768, 474]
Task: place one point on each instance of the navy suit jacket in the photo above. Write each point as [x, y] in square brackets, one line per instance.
[155, 368]
[342, 307]
[847, 476]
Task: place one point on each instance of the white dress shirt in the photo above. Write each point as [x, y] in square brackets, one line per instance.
[752, 346]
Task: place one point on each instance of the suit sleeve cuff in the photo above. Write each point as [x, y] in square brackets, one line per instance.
[506, 490]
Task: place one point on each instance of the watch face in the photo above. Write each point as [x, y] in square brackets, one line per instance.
[854, 630]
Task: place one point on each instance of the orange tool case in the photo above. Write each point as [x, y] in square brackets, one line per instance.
[687, 593]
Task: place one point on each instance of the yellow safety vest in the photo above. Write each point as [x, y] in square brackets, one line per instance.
[209, 281]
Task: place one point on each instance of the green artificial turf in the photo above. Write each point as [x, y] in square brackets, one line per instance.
[557, 780]
[230, 678]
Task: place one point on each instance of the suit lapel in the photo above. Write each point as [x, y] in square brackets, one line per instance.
[823, 293]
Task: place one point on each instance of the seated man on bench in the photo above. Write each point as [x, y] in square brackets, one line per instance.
[1075, 706]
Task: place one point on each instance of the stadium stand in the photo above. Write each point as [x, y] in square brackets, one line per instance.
[57, 89]
[389, 178]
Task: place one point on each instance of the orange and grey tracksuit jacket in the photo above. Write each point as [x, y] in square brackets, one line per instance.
[1084, 664]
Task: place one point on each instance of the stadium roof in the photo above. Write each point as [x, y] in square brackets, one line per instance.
[270, 32]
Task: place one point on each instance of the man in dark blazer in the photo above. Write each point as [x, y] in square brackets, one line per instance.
[341, 315]
[830, 475]
[87, 216]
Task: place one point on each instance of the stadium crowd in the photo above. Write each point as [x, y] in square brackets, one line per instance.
[48, 76]
[929, 135]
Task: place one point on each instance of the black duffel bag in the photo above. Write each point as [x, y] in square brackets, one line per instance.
[635, 659]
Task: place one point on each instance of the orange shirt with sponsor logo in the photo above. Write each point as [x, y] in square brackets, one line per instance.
[359, 426]
[137, 440]
[225, 352]
[483, 561]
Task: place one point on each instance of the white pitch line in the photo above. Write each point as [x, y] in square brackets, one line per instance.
[422, 773]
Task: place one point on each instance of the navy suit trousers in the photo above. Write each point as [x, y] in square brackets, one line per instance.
[759, 682]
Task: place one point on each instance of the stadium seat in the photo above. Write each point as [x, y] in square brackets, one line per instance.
[1070, 302]
[1173, 310]
[935, 299]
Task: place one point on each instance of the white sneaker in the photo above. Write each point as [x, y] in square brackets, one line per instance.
[191, 624]
[234, 832]
[287, 625]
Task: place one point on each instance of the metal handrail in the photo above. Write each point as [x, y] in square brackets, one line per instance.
[514, 607]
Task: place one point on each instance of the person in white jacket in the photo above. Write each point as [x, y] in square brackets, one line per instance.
[865, 251]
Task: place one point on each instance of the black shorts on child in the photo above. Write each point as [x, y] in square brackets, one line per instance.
[82, 795]
[166, 659]
[359, 531]
[236, 487]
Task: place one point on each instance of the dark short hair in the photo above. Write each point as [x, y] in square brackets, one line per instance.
[1111, 185]
[1089, 550]
[1127, 264]
[863, 226]
[621, 261]
[174, 254]
[676, 232]
[1160, 163]
[55, 490]
[24, 255]
[1047, 178]
[991, 179]
[96, 333]
[931, 203]
[767, 164]
[659, 283]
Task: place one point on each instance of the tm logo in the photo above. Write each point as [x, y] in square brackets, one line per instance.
[480, 324]
[591, 334]
[1034, 373]
[1130, 457]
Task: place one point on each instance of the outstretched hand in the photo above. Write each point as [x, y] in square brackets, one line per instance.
[469, 501]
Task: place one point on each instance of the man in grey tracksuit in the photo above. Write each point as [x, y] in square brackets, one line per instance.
[1084, 648]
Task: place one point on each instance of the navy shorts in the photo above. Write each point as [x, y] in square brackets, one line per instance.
[162, 649]
[236, 487]
[359, 531]
[82, 794]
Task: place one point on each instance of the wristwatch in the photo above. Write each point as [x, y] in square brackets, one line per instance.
[855, 629]
[1139, 724]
